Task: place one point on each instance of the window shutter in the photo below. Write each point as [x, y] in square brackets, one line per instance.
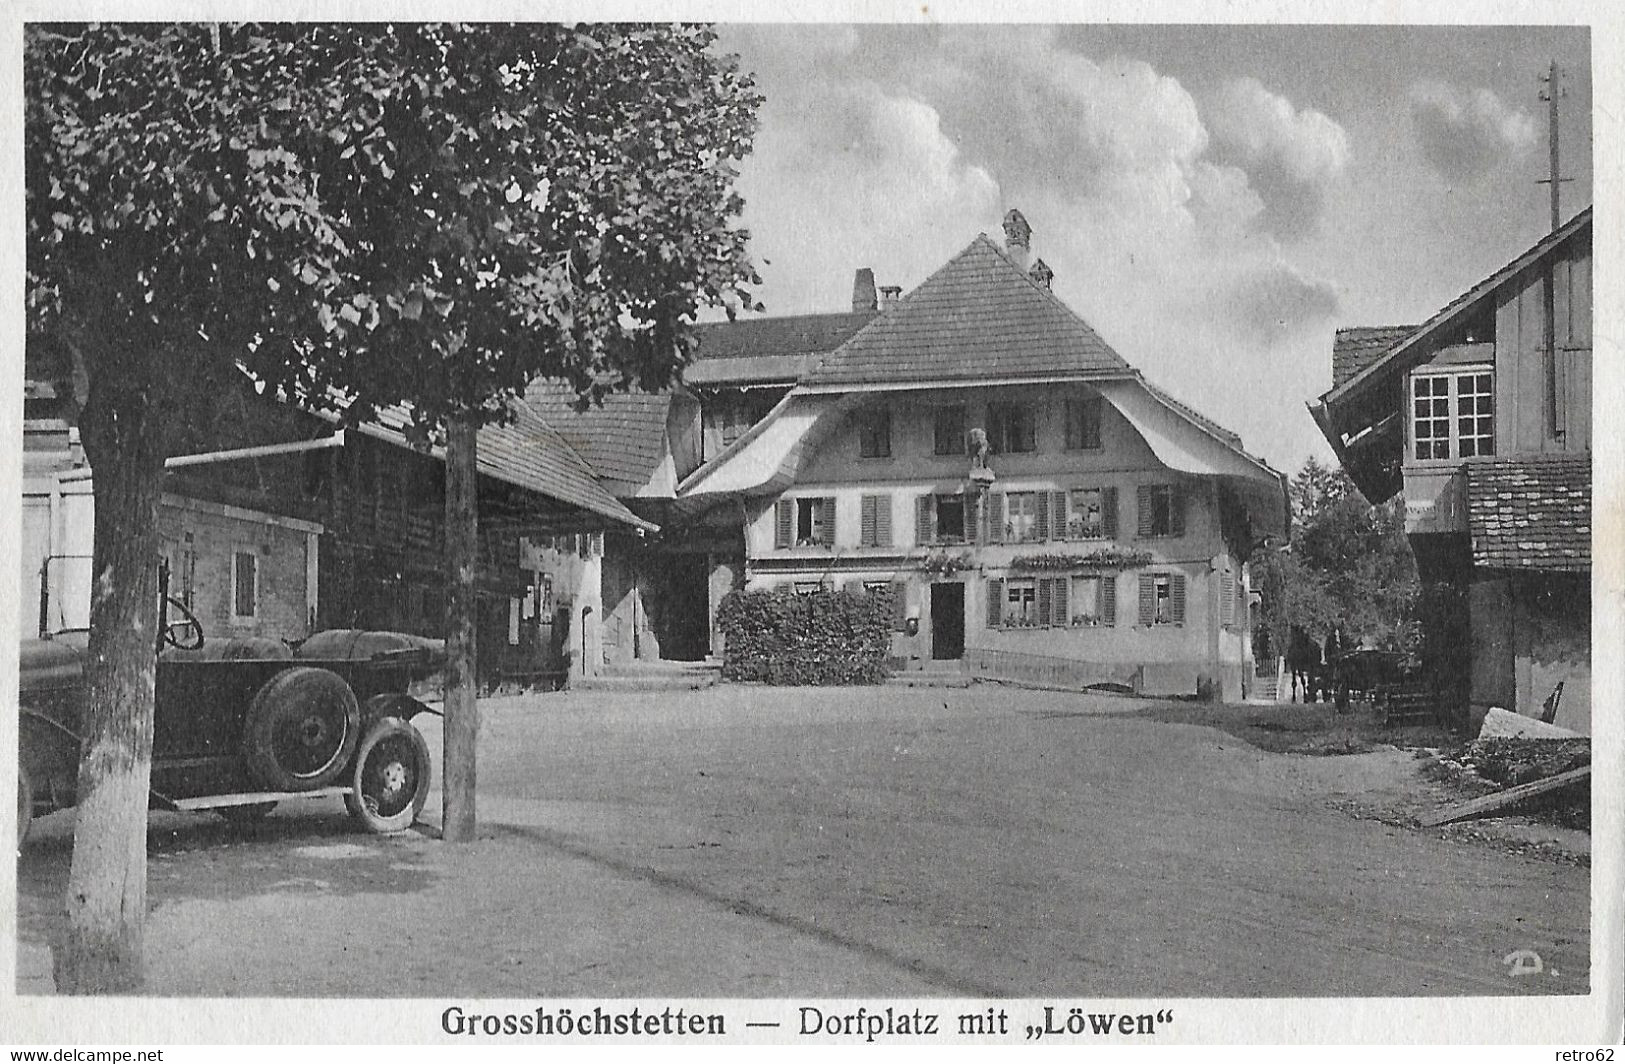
[1046, 600]
[1142, 511]
[1176, 507]
[785, 522]
[995, 518]
[1176, 597]
[1041, 520]
[922, 521]
[1061, 615]
[967, 513]
[1148, 599]
[995, 602]
[826, 505]
[1108, 598]
[899, 601]
[1108, 512]
[1227, 599]
[1057, 511]
[882, 520]
[866, 521]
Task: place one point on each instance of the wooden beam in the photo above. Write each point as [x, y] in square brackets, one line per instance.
[1489, 803]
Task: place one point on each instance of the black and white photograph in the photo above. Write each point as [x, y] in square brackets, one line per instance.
[858, 526]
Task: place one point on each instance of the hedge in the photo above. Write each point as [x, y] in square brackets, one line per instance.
[824, 637]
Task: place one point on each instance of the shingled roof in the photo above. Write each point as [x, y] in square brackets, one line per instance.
[622, 440]
[798, 334]
[1358, 347]
[528, 454]
[979, 317]
[1531, 512]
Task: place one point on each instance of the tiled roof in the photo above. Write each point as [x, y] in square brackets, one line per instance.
[527, 454]
[1531, 511]
[622, 440]
[1405, 351]
[800, 334]
[1358, 347]
[980, 316]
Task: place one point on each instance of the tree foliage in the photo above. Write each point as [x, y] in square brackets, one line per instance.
[357, 216]
[430, 213]
[1349, 569]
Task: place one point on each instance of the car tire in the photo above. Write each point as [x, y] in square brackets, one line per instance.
[301, 729]
[390, 782]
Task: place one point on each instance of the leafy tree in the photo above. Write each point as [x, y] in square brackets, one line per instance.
[1349, 570]
[357, 216]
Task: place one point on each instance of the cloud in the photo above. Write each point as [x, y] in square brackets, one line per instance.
[891, 147]
[1464, 135]
[864, 179]
[1277, 302]
[1291, 156]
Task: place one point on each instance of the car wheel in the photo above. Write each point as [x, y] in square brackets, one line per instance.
[243, 815]
[25, 804]
[301, 729]
[390, 782]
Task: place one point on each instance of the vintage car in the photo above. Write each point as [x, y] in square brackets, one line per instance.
[242, 724]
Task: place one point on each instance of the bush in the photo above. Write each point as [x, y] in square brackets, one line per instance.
[826, 637]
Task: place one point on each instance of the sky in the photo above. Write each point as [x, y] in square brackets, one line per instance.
[1216, 201]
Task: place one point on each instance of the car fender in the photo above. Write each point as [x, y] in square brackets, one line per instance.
[390, 705]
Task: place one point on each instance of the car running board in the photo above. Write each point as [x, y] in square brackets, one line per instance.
[219, 801]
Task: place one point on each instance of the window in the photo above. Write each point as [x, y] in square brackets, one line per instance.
[875, 530]
[808, 587]
[874, 433]
[1021, 523]
[950, 523]
[1024, 602]
[948, 430]
[1162, 599]
[1020, 604]
[807, 522]
[1094, 600]
[1093, 513]
[245, 591]
[1453, 414]
[1083, 424]
[1011, 429]
[1162, 511]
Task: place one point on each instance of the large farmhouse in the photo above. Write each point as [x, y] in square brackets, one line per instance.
[1043, 509]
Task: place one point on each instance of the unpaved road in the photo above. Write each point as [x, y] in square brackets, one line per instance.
[922, 842]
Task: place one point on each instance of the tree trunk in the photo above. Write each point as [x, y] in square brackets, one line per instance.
[462, 724]
[100, 951]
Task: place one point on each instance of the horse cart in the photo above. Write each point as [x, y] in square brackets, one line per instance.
[243, 724]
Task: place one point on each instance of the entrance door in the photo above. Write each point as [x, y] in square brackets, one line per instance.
[947, 622]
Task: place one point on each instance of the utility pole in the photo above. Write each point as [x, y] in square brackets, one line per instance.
[1552, 92]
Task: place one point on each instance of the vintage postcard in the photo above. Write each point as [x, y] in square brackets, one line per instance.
[862, 525]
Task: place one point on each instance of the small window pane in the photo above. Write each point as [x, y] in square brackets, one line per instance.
[1085, 521]
[1085, 600]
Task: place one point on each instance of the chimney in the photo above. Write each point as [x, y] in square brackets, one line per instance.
[863, 291]
[1041, 274]
[1018, 238]
[889, 295]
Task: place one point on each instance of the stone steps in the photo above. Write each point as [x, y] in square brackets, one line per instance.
[653, 676]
